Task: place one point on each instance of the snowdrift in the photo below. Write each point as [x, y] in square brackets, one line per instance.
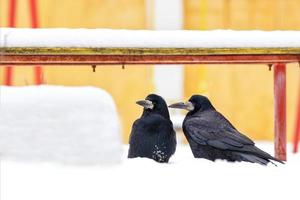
[52, 123]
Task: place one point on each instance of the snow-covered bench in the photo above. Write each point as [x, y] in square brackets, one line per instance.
[104, 46]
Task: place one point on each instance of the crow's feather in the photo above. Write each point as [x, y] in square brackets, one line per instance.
[152, 135]
[212, 136]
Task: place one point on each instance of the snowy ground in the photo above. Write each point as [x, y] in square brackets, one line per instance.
[183, 178]
[29, 153]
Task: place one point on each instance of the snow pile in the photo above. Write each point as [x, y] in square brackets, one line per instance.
[136, 179]
[52, 123]
[101, 38]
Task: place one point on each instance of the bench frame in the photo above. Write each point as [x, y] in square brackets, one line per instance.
[273, 57]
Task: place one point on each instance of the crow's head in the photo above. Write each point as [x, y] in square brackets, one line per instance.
[194, 104]
[154, 104]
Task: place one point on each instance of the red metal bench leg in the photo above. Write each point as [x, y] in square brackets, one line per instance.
[33, 13]
[8, 71]
[280, 110]
[38, 75]
[38, 71]
[297, 128]
[12, 13]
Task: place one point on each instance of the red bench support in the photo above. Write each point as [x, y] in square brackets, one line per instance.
[8, 71]
[38, 71]
[280, 110]
[297, 125]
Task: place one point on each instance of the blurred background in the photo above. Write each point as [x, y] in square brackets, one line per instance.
[243, 93]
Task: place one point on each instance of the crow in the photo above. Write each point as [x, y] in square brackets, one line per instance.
[152, 135]
[212, 136]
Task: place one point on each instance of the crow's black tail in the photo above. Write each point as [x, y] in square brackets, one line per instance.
[253, 159]
[262, 154]
[253, 154]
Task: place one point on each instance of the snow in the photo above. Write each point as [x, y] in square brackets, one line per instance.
[177, 120]
[101, 38]
[141, 178]
[74, 125]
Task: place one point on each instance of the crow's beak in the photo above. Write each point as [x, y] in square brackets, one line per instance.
[146, 104]
[187, 106]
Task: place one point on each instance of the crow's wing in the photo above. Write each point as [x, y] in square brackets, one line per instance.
[142, 138]
[215, 134]
[150, 135]
[167, 137]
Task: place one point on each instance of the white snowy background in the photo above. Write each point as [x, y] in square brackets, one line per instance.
[183, 178]
[48, 171]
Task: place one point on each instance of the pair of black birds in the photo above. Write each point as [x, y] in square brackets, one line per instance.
[210, 135]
